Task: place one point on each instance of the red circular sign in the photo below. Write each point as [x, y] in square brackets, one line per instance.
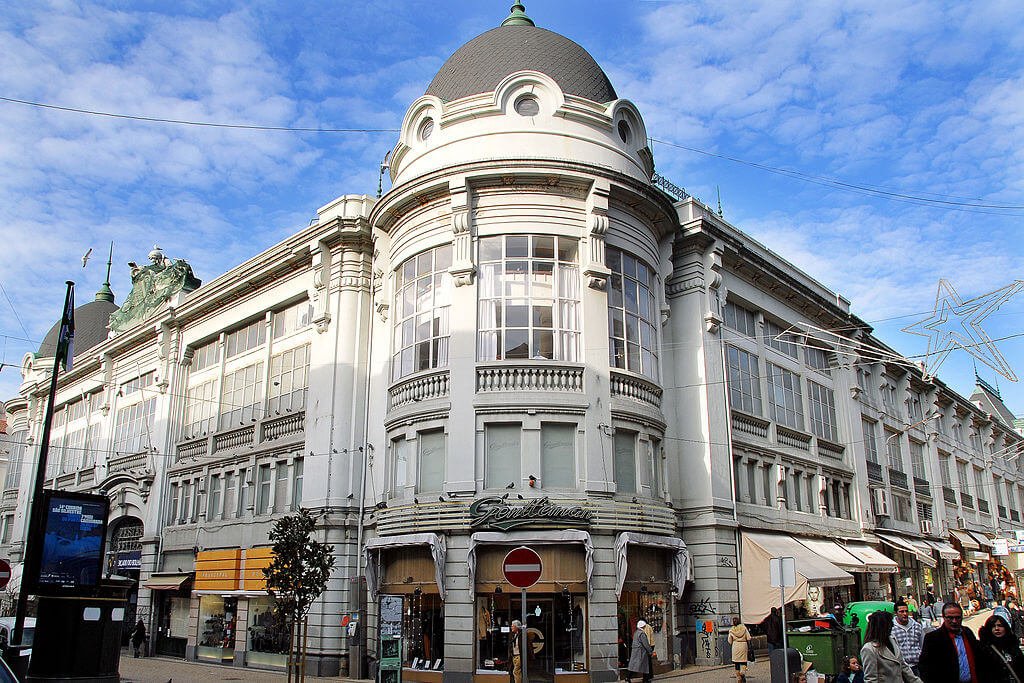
[522, 567]
[5, 573]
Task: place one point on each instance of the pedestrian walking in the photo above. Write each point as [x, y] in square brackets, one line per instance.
[138, 637]
[771, 625]
[909, 635]
[515, 651]
[640, 657]
[851, 673]
[1016, 618]
[739, 638]
[950, 652]
[1001, 654]
[883, 662]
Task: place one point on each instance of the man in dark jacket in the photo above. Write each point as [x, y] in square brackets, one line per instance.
[950, 652]
[771, 626]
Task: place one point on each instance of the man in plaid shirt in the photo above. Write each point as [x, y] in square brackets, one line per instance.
[908, 634]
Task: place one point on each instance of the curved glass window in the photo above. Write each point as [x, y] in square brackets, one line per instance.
[632, 311]
[529, 298]
[422, 300]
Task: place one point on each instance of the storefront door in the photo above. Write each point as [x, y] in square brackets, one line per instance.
[540, 638]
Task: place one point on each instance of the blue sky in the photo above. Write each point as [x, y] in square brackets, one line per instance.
[924, 99]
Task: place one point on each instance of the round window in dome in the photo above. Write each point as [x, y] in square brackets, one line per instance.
[527, 105]
[625, 132]
[426, 129]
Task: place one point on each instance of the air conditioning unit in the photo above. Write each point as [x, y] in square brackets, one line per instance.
[926, 527]
[881, 503]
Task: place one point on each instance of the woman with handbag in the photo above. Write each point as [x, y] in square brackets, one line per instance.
[1001, 651]
[739, 638]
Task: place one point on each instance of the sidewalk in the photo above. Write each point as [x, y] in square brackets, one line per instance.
[169, 670]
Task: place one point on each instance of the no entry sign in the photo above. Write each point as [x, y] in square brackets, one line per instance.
[522, 567]
[5, 573]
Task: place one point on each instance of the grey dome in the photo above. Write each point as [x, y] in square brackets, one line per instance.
[482, 63]
[91, 324]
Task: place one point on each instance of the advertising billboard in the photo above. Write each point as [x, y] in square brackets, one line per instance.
[74, 529]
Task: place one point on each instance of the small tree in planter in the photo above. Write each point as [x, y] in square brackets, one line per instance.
[296, 577]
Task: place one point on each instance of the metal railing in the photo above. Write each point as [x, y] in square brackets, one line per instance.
[669, 188]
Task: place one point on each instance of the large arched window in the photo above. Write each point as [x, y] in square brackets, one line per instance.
[529, 298]
[422, 300]
[632, 312]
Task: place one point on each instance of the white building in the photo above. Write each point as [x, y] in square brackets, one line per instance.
[525, 341]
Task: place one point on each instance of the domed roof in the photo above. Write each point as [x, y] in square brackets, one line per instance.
[91, 321]
[482, 63]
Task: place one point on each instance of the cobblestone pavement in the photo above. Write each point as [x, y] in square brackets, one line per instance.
[165, 669]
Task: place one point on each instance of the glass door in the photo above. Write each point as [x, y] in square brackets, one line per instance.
[540, 638]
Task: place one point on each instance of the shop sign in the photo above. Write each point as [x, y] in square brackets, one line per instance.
[130, 560]
[495, 513]
[1000, 546]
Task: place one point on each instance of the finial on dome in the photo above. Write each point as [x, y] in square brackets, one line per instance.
[105, 293]
[517, 17]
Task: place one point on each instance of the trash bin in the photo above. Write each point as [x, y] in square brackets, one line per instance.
[823, 645]
[777, 660]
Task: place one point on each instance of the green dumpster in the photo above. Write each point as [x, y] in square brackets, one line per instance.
[823, 642]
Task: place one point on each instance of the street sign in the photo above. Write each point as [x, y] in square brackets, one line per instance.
[782, 572]
[5, 573]
[522, 567]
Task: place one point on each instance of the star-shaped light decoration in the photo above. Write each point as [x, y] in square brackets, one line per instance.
[957, 324]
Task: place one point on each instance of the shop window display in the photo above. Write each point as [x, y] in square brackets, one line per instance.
[217, 628]
[267, 634]
[651, 604]
[423, 631]
[555, 630]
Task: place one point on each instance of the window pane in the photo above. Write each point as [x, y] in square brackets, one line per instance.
[558, 455]
[431, 462]
[502, 455]
[625, 461]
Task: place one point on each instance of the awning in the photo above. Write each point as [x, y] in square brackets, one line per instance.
[965, 539]
[438, 551]
[539, 537]
[832, 552]
[923, 553]
[946, 551]
[873, 560]
[682, 568]
[983, 539]
[757, 595]
[167, 582]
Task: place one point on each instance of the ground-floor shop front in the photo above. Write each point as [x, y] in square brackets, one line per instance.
[590, 597]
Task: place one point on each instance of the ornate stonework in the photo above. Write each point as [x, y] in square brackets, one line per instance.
[152, 287]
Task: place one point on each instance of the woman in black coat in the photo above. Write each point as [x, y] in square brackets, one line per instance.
[1003, 659]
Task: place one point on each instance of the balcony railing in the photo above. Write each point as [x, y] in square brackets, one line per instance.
[949, 495]
[922, 487]
[875, 473]
[539, 377]
[622, 386]
[830, 450]
[750, 425]
[419, 388]
[898, 479]
[792, 438]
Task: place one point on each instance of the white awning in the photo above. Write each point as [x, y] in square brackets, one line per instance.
[965, 539]
[539, 537]
[946, 551]
[873, 560]
[983, 539]
[682, 568]
[757, 595]
[438, 550]
[923, 553]
[832, 552]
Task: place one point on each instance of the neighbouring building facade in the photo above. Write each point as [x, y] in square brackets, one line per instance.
[530, 339]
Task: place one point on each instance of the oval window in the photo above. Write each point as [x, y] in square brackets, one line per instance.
[426, 129]
[625, 132]
[527, 106]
